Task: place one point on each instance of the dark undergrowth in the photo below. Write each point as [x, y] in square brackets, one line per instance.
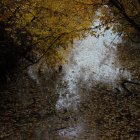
[13, 52]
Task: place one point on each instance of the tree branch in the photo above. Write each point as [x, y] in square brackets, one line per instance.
[120, 7]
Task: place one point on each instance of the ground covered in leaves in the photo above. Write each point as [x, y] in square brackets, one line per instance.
[44, 107]
[28, 112]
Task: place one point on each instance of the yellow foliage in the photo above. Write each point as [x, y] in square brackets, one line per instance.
[55, 23]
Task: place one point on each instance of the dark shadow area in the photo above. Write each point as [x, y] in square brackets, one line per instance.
[23, 104]
[8, 53]
[14, 52]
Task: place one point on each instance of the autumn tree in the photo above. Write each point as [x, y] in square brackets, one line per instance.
[36, 29]
[124, 17]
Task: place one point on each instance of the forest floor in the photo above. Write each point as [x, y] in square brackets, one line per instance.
[75, 104]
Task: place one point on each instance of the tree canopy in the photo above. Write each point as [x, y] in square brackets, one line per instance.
[39, 28]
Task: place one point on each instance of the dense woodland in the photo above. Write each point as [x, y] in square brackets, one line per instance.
[69, 69]
[36, 29]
